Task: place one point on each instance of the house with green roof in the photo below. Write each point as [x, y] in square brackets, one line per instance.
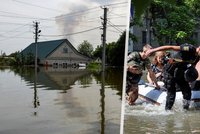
[56, 53]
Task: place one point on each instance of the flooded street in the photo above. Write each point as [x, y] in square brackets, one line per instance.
[151, 119]
[60, 101]
[146, 118]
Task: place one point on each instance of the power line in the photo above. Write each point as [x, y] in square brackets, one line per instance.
[30, 4]
[14, 36]
[16, 28]
[51, 9]
[76, 13]
[52, 19]
[58, 17]
[119, 15]
[12, 16]
[13, 23]
[12, 13]
[72, 33]
[114, 26]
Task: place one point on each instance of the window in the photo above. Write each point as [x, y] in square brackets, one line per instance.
[144, 37]
[65, 50]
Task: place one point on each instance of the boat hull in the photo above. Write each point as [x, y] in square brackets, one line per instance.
[151, 94]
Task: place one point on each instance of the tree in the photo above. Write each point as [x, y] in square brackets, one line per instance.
[114, 52]
[141, 5]
[138, 9]
[98, 52]
[85, 48]
[174, 22]
[195, 7]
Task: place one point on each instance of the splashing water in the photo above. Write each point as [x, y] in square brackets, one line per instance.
[144, 108]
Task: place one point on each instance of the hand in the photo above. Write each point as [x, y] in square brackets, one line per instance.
[157, 87]
[148, 52]
[158, 74]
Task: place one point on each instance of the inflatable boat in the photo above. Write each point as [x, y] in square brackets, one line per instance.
[149, 93]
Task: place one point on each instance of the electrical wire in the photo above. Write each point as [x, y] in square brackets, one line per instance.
[73, 33]
[114, 26]
[72, 14]
[30, 4]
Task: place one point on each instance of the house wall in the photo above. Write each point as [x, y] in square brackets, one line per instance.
[138, 32]
[65, 55]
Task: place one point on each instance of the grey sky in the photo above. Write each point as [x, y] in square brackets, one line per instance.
[59, 19]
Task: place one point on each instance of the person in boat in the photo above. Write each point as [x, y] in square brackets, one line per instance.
[179, 71]
[136, 63]
[157, 66]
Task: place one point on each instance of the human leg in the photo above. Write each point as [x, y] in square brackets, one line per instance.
[171, 90]
[186, 91]
[184, 86]
[171, 95]
[133, 94]
[132, 87]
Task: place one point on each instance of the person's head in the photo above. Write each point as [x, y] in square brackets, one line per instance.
[158, 58]
[145, 48]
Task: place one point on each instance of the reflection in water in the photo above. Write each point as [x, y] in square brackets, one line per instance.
[73, 100]
[36, 101]
[102, 93]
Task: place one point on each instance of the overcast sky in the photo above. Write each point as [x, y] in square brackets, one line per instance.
[59, 19]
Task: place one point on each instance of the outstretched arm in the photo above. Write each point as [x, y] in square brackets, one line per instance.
[162, 48]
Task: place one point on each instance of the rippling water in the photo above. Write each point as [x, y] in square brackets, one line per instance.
[55, 101]
[151, 119]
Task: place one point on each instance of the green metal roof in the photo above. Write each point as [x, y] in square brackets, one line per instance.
[43, 48]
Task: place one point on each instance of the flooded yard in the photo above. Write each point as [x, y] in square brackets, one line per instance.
[60, 101]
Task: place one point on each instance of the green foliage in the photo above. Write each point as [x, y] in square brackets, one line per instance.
[181, 35]
[94, 66]
[7, 61]
[141, 5]
[85, 48]
[98, 52]
[21, 59]
[114, 52]
[116, 55]
[194, 5]
[173, 21]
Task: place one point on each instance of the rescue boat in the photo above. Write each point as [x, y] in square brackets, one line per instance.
[148, 93]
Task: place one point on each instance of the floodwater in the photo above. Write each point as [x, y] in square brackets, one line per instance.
[152, 119]
[60, 101]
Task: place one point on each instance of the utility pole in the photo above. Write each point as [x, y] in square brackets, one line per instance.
[102, 91]
[36, 102]
[37, 31]
[104, 38]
